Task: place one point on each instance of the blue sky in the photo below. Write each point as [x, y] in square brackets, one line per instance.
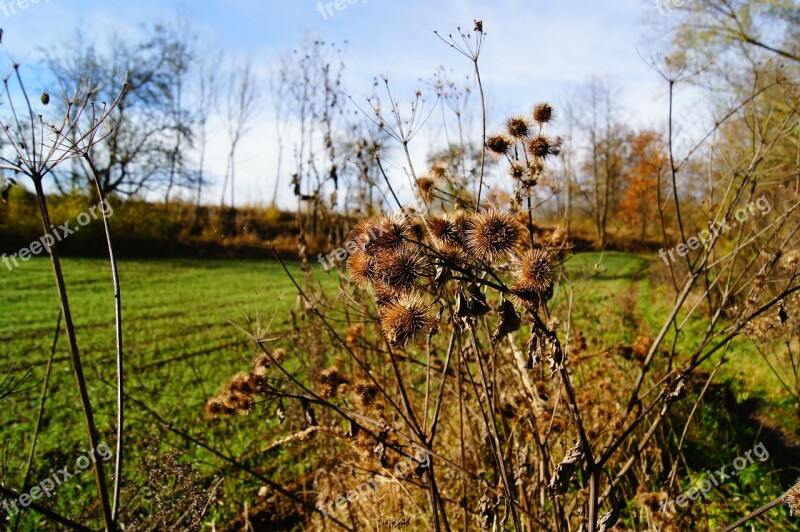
[534, 50]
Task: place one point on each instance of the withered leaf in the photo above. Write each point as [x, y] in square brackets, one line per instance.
[509, 321]
[565, 471]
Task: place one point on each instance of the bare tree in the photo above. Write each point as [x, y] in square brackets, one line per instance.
[208, 88]
[179, 43]
[140, 150]
[326, 148]
[596, 117]
[279, 87]
[238, 114]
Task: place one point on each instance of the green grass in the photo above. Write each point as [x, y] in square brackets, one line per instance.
[180, 347]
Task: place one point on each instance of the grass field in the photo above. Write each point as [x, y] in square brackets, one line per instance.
[180, 345]
[182, 341]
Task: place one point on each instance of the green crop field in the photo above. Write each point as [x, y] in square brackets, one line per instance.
[185, 324]
[183, 338]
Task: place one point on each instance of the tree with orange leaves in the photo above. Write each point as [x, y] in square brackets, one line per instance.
[643, 173]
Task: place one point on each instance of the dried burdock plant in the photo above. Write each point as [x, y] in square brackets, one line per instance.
[240, 393]
[460, 301]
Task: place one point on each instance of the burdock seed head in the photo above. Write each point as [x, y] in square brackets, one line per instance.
[438, 171]
[401, 267]
[443, 230]
[465, 222]
[407, 319]
[493, 235]
[543, 113]
[364, 394]
[791, 260]
[518, 127]
[425, 185]
[517, 170]
[330, 381]
[540, 147]
[389, 231]
[533, 281]
[792, 499]
[535, 271]
[362, 269]
[498, 144]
